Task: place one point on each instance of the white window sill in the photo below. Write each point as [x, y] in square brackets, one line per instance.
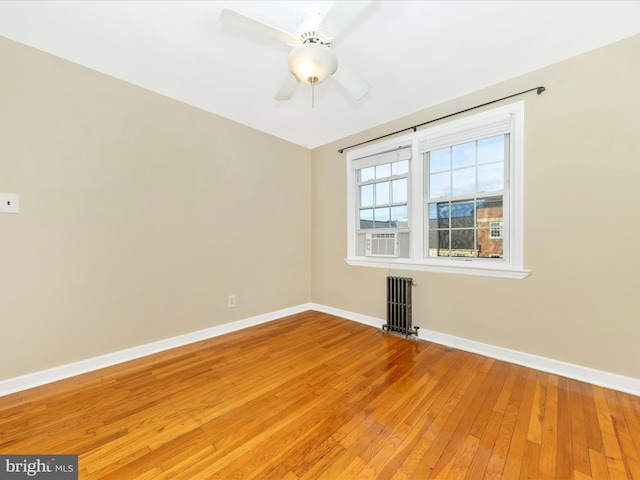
[455, 267]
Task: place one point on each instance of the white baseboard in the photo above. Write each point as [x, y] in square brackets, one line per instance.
[585, 374]
[589, 375]
[50, 375]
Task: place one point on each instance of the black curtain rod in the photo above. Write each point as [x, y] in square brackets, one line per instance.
[538, 90]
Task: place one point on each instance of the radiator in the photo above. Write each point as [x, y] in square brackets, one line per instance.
[399, 308]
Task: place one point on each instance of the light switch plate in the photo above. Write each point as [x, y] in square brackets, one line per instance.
[9, 203]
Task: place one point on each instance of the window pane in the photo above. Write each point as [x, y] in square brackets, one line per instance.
[399, 216]
[440, 160]
[438, 243]
[438, 215]
[443, 215]
[491, 177]
[491, 149]
[462, 243]
[400, 168]
[433, 216]
[382, 193]
[399, 190]
[433, 243]
[464, 181]
[463, 214]
[463, 155]
[383, 171]
[490, 207]
[490, 225]
[366, 218]
[381, 217]
[368, 173]
[440, 185]
[366, 195]
[489, 247]
[489, 211]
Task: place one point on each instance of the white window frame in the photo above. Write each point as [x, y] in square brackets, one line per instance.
[511, 266]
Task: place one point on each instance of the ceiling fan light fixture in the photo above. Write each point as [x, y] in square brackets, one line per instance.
[312, 62]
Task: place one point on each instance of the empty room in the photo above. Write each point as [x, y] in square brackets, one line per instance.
[319, 240]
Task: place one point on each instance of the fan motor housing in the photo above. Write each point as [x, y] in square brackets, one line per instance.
[308, 30]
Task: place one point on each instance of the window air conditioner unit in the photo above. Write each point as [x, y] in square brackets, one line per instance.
[381, 245]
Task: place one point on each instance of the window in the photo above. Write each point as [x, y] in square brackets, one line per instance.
[383, 195]
[447, 198]
[382, 199]
[495, 229]
[465, 193]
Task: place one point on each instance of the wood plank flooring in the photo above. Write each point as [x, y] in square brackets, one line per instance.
[313, 396]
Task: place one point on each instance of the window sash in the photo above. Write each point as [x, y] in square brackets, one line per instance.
[480, 242]
[480, 170]
[386, 196]
[462, 228]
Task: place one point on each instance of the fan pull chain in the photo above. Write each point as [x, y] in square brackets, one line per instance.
[313, 95]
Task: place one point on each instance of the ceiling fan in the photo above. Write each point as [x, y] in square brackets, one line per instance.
[311, 60]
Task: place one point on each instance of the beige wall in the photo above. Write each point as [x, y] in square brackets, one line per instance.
[581, 304]
[139, 215]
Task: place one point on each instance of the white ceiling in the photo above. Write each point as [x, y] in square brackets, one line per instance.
[415, 54]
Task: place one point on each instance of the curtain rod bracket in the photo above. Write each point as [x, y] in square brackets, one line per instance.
[538, 90]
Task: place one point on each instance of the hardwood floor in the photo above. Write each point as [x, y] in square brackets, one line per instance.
[313, 396]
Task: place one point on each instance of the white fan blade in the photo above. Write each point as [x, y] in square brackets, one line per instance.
[288, 88]
[351, 81]
[341, 16]
[251, 25]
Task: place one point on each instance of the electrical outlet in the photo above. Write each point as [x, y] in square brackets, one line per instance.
[231, 301]
[9, 203]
